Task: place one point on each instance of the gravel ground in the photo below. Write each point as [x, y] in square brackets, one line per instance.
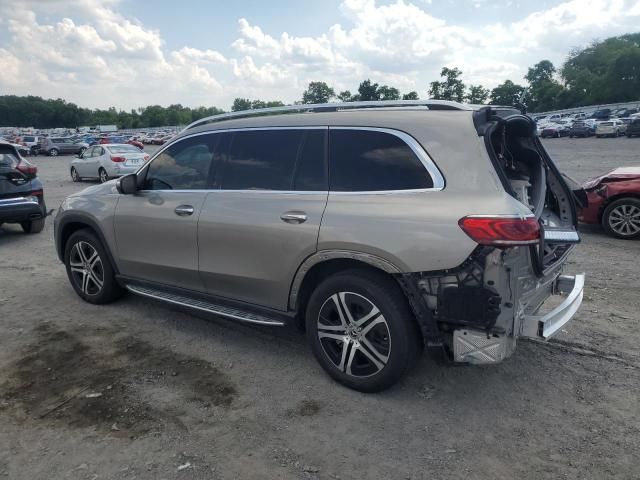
[141, 390]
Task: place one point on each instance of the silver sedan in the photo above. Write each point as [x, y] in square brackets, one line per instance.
[107, 161]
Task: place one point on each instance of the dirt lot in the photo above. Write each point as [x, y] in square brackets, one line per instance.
[141, 390]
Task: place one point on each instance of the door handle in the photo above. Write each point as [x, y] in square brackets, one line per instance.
[294, 217]
[184, 210]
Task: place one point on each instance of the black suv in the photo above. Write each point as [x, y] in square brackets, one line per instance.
[21, 192]
[633, 128]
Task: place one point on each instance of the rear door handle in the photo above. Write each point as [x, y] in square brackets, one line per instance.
[184, 210]
[294, 217]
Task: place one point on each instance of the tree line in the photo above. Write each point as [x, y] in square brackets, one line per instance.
[606, 71]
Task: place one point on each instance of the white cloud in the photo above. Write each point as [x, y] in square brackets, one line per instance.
[109, 59]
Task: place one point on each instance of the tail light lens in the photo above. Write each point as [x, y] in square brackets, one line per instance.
[501, 231]
[146, 158]
[27, 168]
[118, 159]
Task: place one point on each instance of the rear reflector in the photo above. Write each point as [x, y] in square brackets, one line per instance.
[501, 231]
[118, 159]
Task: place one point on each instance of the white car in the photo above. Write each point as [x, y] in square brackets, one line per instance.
[107, 161]
[610, 128]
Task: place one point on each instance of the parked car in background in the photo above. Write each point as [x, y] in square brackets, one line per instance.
[580, 128]
[602, 114]
[54, 146]
[633, 128]
[626, 112]
[32, 142]
[107, 161]
[21, 192]
[136, 143]
[610, 128]
[341, 220]
[613, 201]
[560, 128]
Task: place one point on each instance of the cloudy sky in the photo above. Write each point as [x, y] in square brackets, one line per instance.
[131, 53]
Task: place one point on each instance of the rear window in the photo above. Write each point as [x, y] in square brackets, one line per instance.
[124, 149]
[606, 124]
[29, 139]
[8, 159]
[369, 160]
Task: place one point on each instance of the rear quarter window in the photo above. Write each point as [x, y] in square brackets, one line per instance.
[371, 160]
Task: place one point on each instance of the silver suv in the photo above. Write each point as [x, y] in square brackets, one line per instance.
[381, 227]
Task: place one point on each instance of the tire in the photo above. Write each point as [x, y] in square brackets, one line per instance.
[89, 269]
[377, 352]
[629, 135]
[74, 175]
[621, 218]
[53, 152]
[102, 175]
[33, 226]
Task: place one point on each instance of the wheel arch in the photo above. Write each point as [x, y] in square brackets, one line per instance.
[78, 221]
[322, 264]
[613, 198]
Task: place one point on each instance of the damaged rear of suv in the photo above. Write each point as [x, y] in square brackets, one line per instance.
[381, 227]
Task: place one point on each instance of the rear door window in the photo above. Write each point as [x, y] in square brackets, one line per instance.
[263, 160]
[370, 160]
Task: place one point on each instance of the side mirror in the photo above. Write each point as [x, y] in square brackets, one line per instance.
[128, 184]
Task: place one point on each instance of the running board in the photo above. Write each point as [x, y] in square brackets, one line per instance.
[204, 306]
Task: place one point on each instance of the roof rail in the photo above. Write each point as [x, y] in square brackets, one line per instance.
[332, 107]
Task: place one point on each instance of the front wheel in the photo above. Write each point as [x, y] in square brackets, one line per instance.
[53, 152]
[362, 331]
[622, 218]
[75, 176]
[89, 269]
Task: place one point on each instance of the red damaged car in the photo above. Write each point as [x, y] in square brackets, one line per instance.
[613, 200]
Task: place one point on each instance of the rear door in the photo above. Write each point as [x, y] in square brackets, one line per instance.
[156, 228]
[262, 223]
[82, 164]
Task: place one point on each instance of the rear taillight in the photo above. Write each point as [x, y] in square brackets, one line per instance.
[37, 193]
[501, 231]
[27, 168]
[118, 159]
[146, 157]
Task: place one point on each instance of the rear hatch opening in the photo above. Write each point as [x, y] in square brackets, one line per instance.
[528, 174]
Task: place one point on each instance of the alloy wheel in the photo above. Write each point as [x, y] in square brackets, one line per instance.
[625, 220]
[103, 175]
[74, 175]
[86, 268]
[354, 334]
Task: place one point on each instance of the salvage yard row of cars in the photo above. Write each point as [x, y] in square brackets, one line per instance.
[53, 145]
[602, 123]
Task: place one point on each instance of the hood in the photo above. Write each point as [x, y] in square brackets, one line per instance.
[617, 174]
[106, 188]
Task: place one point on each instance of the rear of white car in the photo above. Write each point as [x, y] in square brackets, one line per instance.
[609, 128]
[121, 160]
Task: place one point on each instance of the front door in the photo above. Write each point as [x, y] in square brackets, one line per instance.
[259, 227]
[156, 228]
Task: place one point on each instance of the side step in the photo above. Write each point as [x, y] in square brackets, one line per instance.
[205, 306]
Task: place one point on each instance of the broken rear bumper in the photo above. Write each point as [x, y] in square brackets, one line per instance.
[548, 324]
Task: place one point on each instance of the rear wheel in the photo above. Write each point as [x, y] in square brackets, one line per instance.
[361, 330]
[622, 218]
[89, 269]
[53, 152]
[33, 226]
[102, 175]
